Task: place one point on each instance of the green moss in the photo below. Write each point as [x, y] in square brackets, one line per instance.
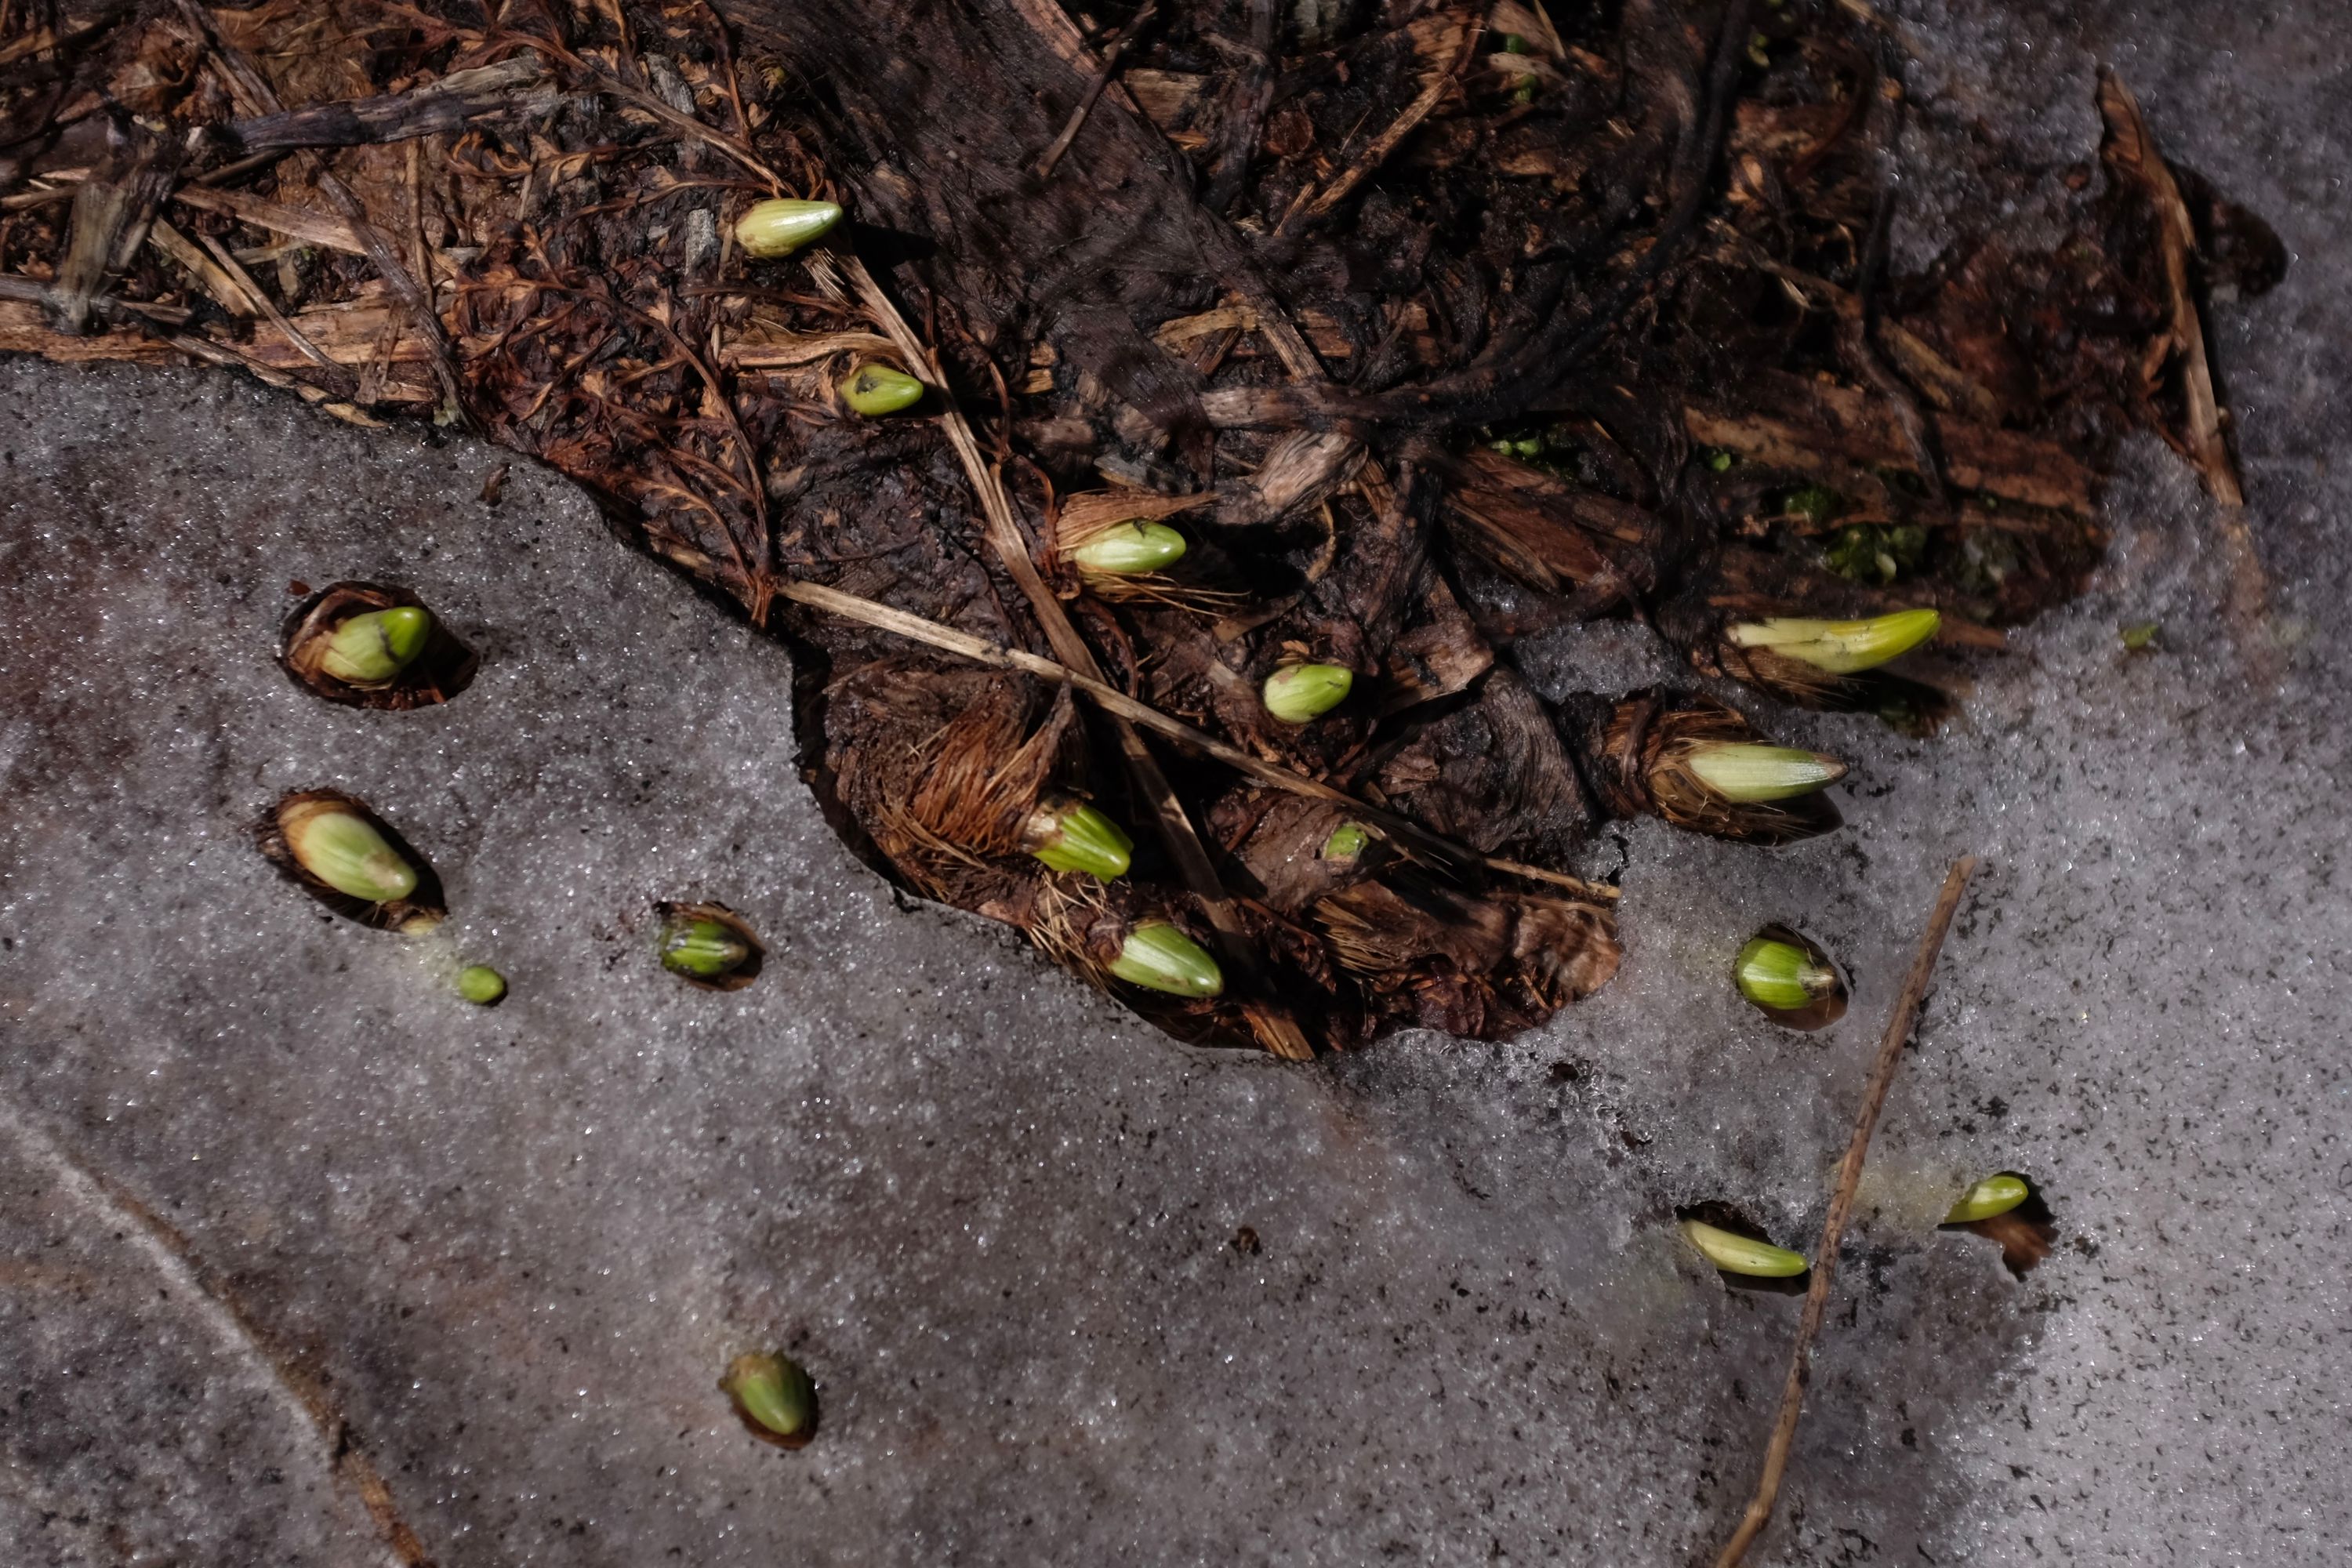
[1877, 553]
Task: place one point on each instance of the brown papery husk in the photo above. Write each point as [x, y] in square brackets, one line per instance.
[424, 909]
[443, 669]
[739, 977]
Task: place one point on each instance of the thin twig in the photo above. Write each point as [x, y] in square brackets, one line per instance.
[1094, 89]
[1849, 1177]
[1376, 153]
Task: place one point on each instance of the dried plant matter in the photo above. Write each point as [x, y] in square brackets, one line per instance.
[1411, 336]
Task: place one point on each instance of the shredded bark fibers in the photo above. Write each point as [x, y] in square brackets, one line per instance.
[1431, 327]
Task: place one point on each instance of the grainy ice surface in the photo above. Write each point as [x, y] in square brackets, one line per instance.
[278, 1211]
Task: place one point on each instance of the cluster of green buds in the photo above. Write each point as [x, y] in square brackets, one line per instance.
[875, 389]
[1750, 773]
[1840, 647]
[778, 227]
[341, 848]
[1737, 1254]
[1130, 549]
[1071, 835]
[1159, 957]
[774, 1396]
[1992, 1197]
[1301, 693]
[373, 649]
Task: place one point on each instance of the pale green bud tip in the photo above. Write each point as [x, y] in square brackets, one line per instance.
[1781, 977]
[1305, 692]
[1841, 648]
[1159, 956]
[478, 983]
[1347, 842]
[772, 1390]
[1744, 771]
[779, 228]
[1130, 549]
[1078, 837]
[703, 949]
[1994, 1195]
[373, 647]
[344, 850]
[878, 389]
[1737, 1254]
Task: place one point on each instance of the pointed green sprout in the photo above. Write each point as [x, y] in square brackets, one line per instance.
[343, 850]
[1347, 842]
[779, 228]
[873, 389]
[1307, 692]
[1130, 549]
[1736, 1254]
[1781, 977]
[1842, 648]
[370, 649]
[1161, 958]
[773, 1392]
[481, 985]
[1071, 835]
[1748, 772]
[1994, 1195]
[702, 949]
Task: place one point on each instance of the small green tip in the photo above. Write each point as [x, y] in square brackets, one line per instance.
[1736, 1254]
[1347, 842]
[343, 850]
[1130, 549]
[1841, 648]
[1161, 958]
[779, 228]
[369, 649]
[1074, 837]
[1780, 976]
[876, 389]
[1994, 1195]
[481, 985]
[1751, 774]
[1307, 692]
[703, 949]
[774, 1391]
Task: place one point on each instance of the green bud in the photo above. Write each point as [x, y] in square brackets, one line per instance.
[1159, 956]
[1994, 1195]
[1130, 549]
[343, 850]
[779, 228]
[702, 949]
[1347, 842]
[1782, 977]
[370, 649]
[773, 1392]
[1746, 772]
[873, 389]
[479, 983]
[1071, 835]
[1842, 648]
[1307, 692]
[1737, 1254]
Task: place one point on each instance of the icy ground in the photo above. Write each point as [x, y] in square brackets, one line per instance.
[504, 1255]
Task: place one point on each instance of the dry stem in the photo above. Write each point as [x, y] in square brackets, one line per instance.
[1849, 1177]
